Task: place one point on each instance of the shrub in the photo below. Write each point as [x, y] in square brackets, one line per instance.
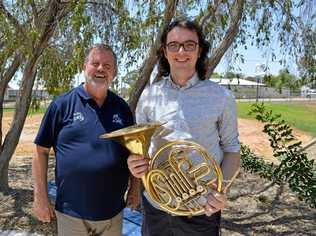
[295, 168]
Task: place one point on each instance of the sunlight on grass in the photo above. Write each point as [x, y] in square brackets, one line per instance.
[301, 115]
[30, 112]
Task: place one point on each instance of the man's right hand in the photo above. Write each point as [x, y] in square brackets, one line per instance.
[43, 210]
[138, 165]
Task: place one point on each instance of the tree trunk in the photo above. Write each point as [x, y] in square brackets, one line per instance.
[12, 138]
[151, 59]
[54, 14]
[4, 185]
[230, 35]
[5, 79]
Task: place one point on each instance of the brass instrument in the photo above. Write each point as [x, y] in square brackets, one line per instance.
[181, 173]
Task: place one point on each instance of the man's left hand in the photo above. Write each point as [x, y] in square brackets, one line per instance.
[133, 196]
[215, 202]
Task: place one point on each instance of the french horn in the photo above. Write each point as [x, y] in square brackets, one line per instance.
[181, 173]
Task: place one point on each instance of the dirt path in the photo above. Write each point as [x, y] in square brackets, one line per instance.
[251, 134]
[32, 123]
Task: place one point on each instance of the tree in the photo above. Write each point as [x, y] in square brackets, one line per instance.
[287, 80]
[230, 75]
[216, 75]
[53, 36]
[306, 60]
[283, 80]
[23, 40]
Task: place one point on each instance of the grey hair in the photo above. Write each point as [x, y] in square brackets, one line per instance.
[101, 46]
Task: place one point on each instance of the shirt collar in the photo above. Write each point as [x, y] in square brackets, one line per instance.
[83, 93]
[190, 83]
[86, 96]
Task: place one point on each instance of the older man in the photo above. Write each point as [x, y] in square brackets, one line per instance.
[91, 173]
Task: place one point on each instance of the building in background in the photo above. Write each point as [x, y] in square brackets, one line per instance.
[247, 89]
[308, 92]
[39, 92]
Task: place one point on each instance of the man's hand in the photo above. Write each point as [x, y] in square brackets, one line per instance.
[230, 168]
[43, 209]
[138, 165]
[133, 194]
[215, 202]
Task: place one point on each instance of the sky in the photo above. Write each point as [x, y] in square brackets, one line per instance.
[253, 57]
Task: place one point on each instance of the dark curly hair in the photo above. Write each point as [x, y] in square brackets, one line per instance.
[163, 64]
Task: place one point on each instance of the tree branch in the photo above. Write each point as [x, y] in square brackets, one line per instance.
[151, 60]
[1, 42]
[8, 75]
[103, 4]
[230, 35]
[3, 61]
[10, 72]
[13, 20]
[210, 13]
[35, 14]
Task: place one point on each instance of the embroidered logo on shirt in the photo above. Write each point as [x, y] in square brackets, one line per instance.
[117, 119]
[78, 117]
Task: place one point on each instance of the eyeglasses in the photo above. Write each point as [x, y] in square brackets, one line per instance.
[188, 46]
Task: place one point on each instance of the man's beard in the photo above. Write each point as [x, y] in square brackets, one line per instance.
[95, 85]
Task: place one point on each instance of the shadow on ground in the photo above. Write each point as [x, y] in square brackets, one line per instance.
[16, 205]
[262, 208]
[256, 207]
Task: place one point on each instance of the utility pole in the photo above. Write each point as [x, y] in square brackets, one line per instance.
[259, 73]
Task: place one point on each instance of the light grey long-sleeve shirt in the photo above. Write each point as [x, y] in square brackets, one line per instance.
[202, 111]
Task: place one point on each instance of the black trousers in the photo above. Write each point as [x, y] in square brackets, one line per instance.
[160, 223]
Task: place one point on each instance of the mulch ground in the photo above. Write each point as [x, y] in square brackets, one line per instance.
[256, 207]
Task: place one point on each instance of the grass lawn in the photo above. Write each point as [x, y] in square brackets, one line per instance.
[301, 115]
[5, 109]
[40, 110]
[30, 112]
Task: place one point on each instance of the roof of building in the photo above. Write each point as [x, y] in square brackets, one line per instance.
[235, 81]
[35, 87]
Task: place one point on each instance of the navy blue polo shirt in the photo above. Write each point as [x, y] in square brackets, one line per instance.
[91, 173]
